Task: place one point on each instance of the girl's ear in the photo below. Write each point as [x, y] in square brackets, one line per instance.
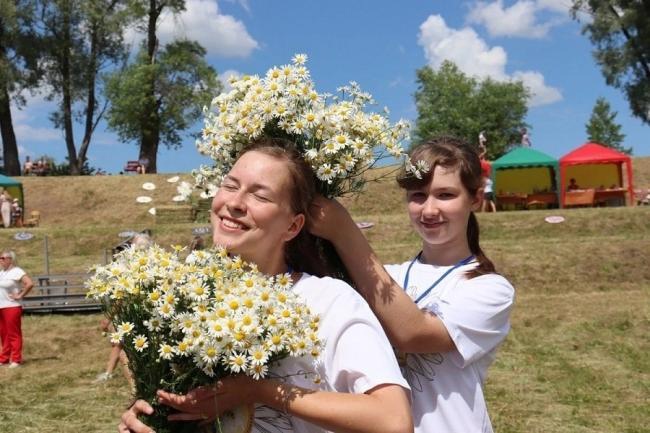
[477, 199]
[297, 223]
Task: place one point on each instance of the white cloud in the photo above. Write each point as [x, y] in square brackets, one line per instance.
[30, 133]
[524, 18]
[221, 35]
[517, 20]
[463, 47]
[541, 93]
[474, 57]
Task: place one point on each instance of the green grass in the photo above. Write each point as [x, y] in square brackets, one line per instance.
[575, 361]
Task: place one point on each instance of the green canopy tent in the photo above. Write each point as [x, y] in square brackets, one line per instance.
[14, 188]
[527, 171]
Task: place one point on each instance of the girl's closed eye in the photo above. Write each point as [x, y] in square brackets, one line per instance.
[229, 186]
[262, 197]
[417, 195]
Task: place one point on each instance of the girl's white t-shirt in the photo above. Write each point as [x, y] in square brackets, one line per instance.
[447, 388]
[356, 355]
[10, 284]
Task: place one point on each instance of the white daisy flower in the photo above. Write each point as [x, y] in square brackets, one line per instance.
[140, 342]
[237, 362]
[165, 351]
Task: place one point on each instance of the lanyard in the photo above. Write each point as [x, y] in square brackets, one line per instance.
[426, 292]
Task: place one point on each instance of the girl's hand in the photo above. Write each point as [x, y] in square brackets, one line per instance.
[328, 218]
[206, 403]
[130, 422]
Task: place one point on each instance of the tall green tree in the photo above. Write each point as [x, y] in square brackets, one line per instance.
[602, 127]
[184, 83]
[620, 33]
[450, 102]
[161, 94]
[18, 70]
[83, 38]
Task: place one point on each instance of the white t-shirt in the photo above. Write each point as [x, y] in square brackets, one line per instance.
[447, 388]
[356, 355]
[10, 284]
[488, 185]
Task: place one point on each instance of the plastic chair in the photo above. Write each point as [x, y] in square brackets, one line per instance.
[34, 219]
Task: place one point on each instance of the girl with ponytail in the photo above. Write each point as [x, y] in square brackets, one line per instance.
[445, 310]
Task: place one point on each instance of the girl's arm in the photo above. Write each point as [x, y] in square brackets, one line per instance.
[408, 328]
[384, 408]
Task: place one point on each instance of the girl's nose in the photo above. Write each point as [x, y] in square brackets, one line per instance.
[236, 202]
[430, 207]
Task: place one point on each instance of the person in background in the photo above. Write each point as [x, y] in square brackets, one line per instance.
[197, 243]
[116, 355]
[488, 204]
[28, 167]
[525, 139]
[5, 208]
[16, 214]
[143, 164]
[15, 284]
[446, 311]
[138, 241]
[482, 143]
[573, 185]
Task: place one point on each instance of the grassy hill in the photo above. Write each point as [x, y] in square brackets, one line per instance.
[575, 360]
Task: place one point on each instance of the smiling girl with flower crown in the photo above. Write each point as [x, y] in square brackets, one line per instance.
[260, 213]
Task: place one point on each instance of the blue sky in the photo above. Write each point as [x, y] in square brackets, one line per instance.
[380, 44]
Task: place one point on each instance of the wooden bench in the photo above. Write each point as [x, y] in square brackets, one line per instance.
[60, 303]
[132, 167]
[63, 293]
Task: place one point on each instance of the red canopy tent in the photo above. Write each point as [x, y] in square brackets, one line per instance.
[595, 155]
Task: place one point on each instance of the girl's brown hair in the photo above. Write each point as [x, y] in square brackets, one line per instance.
[452, 153]
[305, 252]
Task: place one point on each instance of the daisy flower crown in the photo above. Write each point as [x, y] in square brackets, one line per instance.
[338, 139]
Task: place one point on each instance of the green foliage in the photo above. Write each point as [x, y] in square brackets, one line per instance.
[18, 60]
[602, 127]
[620, 33]
[184, 84]
[81, 39]
[19, 70]
[450, 102]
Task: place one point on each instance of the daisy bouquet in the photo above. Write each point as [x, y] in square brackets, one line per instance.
[187, 323]
[337, 137]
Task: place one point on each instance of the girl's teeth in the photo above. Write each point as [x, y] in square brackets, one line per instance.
[231, 224]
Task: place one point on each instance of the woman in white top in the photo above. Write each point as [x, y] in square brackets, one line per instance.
[446, 310]
[259, 213]
[15, 284]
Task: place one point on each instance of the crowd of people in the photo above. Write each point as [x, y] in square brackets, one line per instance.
[40, 167]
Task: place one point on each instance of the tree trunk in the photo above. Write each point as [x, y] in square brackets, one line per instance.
[151, 118]
[91, 101]
[66, 77]
[9, 146]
